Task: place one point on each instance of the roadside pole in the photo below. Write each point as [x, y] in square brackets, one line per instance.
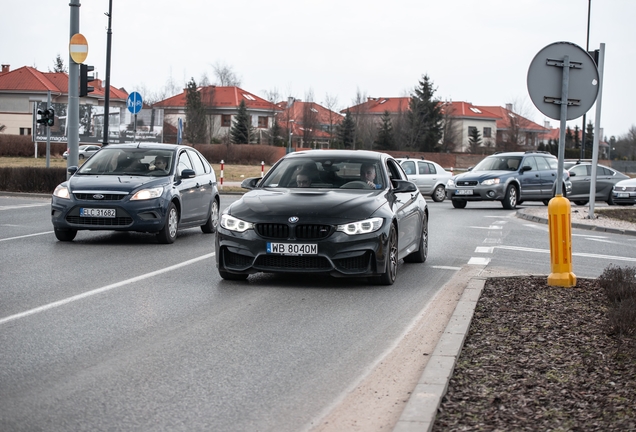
[73, 93]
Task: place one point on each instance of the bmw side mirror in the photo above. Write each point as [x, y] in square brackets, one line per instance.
[404, 186]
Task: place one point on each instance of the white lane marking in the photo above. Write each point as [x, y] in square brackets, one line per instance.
[492, 240]
[478, 261]
[484, 249]
[603, 240]
[101, 290]
[490, 227]
[27, 235]
[14, 207]
[585, 255]
[446, 268]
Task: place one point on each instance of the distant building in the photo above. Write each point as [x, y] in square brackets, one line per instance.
[307, 124]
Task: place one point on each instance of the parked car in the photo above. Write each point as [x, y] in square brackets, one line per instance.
[85, 151]
[335, 223]
[121, 189]
[581, 178]
[511, 178]
[624, 192]
[428, 176]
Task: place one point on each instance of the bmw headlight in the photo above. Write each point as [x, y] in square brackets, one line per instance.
[233, 224]
[361, 227]
[490, 182]
[61, 192]
[145, 194]
[450, 183]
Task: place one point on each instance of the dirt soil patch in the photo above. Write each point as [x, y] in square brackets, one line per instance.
[541, 358]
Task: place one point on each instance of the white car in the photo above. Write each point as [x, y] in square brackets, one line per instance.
[85, 151]
[429, 177]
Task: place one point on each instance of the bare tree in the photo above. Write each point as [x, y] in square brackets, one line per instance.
[274, 131]
[452, 134]
[366, 130]
[225, 75]
[330, 103]
[515, 122]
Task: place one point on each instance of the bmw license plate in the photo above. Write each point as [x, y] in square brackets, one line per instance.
[97, 212]
[464, 192]
[623, 195]
[292, 248]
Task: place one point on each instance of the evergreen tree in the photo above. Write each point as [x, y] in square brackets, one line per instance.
[275, 134]
[195, 115]
[425, 118]
[242, 131]
[385, 139]
[474, 139]
[58, 66]
[346, 131]
[576, 136]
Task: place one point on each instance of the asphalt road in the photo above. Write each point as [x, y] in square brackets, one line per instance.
[116, 332]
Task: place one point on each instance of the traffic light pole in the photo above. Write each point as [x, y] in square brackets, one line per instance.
[73, 90]
[107, 94]
[48, 132]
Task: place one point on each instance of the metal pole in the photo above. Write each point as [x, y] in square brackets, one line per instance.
[597, 130]
[107, 93]
[48, 132]
[587, 49]
[73, 93]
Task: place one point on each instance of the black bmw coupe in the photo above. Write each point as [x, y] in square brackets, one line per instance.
[345, 213]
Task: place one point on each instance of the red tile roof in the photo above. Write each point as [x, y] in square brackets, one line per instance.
[380, 105]
[221, 97]
[467, 110]
[503, 115]
[28, 79]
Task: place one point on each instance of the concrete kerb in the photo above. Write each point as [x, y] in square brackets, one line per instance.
[534, 218]
[421, 409]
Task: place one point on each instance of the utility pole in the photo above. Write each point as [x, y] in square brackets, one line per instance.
[587, 48]
[107, 93]
[73, 90]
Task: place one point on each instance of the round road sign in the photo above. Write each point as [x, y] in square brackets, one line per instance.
[134, 102]
[545, 80]
[78, 48]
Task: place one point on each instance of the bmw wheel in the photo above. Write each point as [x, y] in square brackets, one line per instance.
[390, 271]
[510, 199]
[420, 255]
[168, 233]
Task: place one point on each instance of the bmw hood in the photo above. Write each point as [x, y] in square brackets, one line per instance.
[312, 205]
[110, 182]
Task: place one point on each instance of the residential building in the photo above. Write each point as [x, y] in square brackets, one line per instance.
[221, 105]
[25, 90]
[307, 124]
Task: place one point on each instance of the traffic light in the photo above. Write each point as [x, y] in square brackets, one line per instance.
[85, 79]
[47, 117]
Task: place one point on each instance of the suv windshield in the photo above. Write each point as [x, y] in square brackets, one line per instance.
[499, 163]
[133, 161]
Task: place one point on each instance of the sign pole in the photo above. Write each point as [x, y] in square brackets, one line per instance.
[48, 133]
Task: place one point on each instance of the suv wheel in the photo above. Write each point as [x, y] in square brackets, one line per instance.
[459, 203]
[510, 199]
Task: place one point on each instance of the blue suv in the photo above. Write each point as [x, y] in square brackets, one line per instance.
[511, 178]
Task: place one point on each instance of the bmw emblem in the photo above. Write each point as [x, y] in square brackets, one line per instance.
[98, 196]
[293, 219]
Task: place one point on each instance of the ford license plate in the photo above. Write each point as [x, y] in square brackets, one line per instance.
[292, 248]
[464, 192]
[97, 212]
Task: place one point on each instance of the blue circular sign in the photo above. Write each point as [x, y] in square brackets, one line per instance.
[134, 102]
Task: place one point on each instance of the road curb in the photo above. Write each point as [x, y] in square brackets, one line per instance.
[523, 215]
[421, 409]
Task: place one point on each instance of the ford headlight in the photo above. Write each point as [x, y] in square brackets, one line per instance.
[361, 227]
[234, 224]
[61, 192]
[145, 194]
[490, 182]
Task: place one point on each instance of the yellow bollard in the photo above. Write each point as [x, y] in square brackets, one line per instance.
[560, 231]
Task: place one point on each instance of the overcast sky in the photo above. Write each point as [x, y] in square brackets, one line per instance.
[476, 51]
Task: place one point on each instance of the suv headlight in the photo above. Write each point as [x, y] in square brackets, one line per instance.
[61, 192]
[361, 227]
[234, 224]
[490, 182]
[145, 194]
